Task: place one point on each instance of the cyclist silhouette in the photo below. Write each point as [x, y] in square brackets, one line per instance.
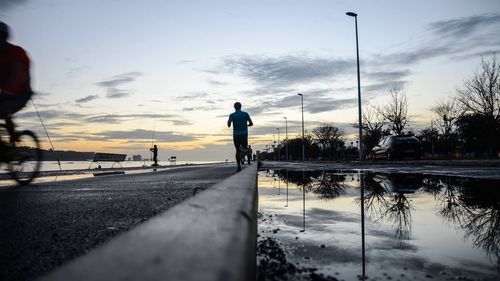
[15, 90]
[241, 121]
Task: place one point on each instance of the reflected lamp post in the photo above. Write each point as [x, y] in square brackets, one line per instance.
[286, 188]
[286, 138]
[361, 152]
[303, 140]
[362, 190]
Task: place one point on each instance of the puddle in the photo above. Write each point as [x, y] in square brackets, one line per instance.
[416, 227]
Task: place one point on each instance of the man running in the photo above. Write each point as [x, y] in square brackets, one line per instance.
[241, 121]
[15, 90]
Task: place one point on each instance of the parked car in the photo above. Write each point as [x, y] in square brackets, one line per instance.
[399, 183]
[397, 147]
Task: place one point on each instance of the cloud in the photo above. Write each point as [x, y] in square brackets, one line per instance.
[388, 75]
[286, 70]
[324, 105]
[315, 101]
[185, 62]
[87, 98]
[49, 114]
[200, 108]
[116, 95]
[182, 122]
[111, 85]
[466, 26]
[7, 4]
[141, 134]
[278, 76]
[452, 37]
[76, 71]
[408, 58]
[192, 96]
[384, 86]
[216, 83]
[485, 54]
[120, 79]
[118, 118]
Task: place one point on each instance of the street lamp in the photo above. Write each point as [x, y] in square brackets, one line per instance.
[361, 152]
[286, 137]
[303, 140]
[279, 144]
[274, 147]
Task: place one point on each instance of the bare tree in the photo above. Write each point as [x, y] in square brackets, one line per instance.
[447, 112]
[329, 136]
[480, 100]
[395, 112]
[373, 127]
[481, 93]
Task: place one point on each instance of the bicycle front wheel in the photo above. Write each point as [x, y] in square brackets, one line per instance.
[27, 161]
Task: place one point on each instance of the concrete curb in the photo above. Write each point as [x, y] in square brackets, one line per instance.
[211, 236]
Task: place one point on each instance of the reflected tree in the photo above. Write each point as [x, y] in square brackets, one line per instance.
[452, 209]
[473, 206]
[301, 179]
[329, 186]
[399, 212]
[482, 223]
[388, 205]
[375, 201]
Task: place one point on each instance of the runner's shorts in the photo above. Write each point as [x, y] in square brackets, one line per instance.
[240, 140]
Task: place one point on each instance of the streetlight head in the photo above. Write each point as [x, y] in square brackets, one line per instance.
[300, 94]
[351, 14]
[284, 117]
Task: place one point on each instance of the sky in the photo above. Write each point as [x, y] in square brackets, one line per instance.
[119, 75]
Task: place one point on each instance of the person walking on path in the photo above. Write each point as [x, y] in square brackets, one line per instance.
[241, 121]
[249, 154]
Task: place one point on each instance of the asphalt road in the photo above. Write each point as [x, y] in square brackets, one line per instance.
[45, 225]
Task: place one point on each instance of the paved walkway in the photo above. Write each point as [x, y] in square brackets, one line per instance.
[47, 224]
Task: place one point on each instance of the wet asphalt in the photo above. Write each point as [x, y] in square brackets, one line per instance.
[45, 225]
[467, 169]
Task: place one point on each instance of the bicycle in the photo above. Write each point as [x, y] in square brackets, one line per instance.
[20, 151]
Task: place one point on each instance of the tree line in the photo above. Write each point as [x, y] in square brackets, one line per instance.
[466, 124]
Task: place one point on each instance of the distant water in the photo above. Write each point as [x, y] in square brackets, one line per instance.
[79, 165]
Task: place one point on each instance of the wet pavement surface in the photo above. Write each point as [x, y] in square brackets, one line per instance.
[416, 226]
[48, 224]
[476, 169]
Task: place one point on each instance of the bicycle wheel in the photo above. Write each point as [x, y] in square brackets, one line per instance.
[27, 160]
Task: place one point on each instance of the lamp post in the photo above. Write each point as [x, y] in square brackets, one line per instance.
[274, 147]
[279, 144]
[303, 140]
[286, 138]
[361, 151]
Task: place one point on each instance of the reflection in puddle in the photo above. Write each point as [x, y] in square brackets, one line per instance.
[383, 226]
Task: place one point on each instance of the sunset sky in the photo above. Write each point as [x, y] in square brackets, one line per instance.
[107, 72]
